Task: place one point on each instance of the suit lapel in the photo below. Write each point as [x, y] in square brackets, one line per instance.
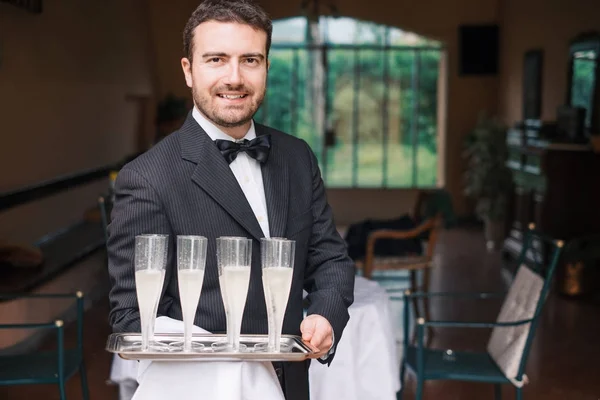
[276, 183]
[214, 176]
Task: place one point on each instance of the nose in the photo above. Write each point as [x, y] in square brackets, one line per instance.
[234, 75]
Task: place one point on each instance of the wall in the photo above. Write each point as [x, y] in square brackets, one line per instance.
[545, 24]
[438, 19]
[89, 276]
[64, 75]
[352, 205]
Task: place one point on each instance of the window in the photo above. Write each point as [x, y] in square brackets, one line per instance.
[364, 97]
[583, 82]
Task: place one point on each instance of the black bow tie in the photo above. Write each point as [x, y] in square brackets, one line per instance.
[257, 148]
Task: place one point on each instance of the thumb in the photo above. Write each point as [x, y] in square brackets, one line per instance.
[307, 327]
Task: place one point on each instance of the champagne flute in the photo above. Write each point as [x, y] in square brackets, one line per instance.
[150, 261]
[191, 260]
[277, 258]
[234, 257]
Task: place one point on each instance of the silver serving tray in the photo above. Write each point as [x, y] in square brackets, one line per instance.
[126, 345]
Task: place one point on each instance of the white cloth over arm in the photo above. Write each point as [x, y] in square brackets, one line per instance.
[210, 380]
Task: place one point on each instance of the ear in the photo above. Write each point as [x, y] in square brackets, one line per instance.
[186, 66]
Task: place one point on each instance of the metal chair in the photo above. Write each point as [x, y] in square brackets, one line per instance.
[432, 211]
[46, 367]
[508, 349]
[428, 229]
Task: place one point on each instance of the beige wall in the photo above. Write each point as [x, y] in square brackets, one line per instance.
[549, 25]
[351, 205]
[64, 75]
[438, 19]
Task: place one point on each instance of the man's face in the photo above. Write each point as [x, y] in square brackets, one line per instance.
[228, 74]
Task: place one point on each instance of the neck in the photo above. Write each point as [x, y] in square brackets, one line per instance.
[236, 132]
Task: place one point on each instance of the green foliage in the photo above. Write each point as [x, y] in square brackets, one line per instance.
[357, 88]
[583, 83]
[369, 171]
[487, 177]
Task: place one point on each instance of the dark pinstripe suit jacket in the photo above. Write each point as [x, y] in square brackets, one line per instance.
[184, 186]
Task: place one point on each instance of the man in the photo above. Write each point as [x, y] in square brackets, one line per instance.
[194, 182]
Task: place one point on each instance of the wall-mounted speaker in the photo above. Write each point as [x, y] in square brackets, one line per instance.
[479, 48]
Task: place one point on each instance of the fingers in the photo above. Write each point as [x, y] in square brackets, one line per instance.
[320, 337]
[307, 327]
[318, 332]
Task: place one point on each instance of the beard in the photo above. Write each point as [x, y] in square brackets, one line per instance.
[228, 116]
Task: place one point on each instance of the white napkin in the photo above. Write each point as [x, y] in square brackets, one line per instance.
[210, 380]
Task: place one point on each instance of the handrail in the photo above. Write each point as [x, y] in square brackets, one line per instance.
[49, 187]
[12, 296]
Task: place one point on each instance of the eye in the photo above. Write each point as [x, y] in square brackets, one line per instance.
[214, 60]
[252, 60]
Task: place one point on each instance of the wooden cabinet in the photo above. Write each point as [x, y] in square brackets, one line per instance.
[557, 186]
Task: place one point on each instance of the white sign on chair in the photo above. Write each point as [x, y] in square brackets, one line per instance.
[507, 344]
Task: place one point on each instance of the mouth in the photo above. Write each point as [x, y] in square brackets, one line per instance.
[232, 96]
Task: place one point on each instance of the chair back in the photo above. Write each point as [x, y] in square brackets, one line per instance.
[432, 202]
[428, 231]
[509, 345]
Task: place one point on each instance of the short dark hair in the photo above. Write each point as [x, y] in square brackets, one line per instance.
[240, 11]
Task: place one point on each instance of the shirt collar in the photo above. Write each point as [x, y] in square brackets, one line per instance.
[214, 132]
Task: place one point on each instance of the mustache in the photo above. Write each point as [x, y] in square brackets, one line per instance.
[231, 88]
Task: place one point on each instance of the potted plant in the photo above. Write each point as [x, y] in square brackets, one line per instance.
[487, 178]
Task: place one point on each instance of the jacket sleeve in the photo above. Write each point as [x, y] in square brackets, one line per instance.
[329, 279]
[137, 210]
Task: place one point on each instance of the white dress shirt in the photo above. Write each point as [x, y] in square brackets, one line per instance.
[245, 169]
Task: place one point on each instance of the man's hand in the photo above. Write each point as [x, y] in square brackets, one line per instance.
[318, 332]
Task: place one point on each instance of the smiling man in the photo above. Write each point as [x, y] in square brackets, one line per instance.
[226, 68]
[222, 174]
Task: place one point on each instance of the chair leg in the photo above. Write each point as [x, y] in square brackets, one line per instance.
[84, 384]
[402, 383]
[413, 280]
[519, 394]
[415, 306]
[497, 391]
[425, 288]
[61, 387]
[419, 393]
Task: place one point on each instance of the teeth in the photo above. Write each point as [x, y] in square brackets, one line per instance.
[231, 96]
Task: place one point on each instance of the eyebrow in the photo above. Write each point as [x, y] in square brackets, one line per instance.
[220, 54]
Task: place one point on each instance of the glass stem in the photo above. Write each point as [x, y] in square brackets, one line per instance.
[187, 335]
[145, 334]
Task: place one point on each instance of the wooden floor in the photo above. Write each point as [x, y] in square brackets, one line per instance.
[564, 363]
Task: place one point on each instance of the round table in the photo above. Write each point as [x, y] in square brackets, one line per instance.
[366, 364]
